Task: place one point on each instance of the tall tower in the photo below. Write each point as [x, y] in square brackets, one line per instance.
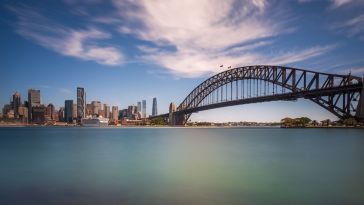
[81, 103]
[144, 109]
[96, 106]
[154, 108]
[33, 100]
[68, 110]
[139, 106]
[106, 111]
[16, 104]
[114, 113]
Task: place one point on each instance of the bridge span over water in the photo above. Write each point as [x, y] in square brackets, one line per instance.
[342, 95]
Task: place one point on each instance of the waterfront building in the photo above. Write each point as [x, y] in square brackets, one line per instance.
[68, 111]
[139, 104]
[144, 109]
[38, 114]
[88, 109]
[74, 111]
[10, 114]
[81, 103]
[16, 103]
[55, 116]
[132, 112]
[6, 109]
[33, 100]
[23, 114]
[50, 112]
[96, 106]
[115, 114]
[101, 113]
[154, 108]
[106, 111]
[61, 114]
[123, 114]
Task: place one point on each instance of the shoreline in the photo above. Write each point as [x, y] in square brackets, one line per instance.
[188, 127]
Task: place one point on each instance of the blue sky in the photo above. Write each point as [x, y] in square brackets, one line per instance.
[124, 51]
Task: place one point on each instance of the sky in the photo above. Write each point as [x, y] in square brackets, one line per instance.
[125, 51]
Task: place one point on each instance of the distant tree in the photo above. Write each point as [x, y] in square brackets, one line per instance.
[350, 122]
[158, 121]
[326, 122]
[305, 120]
[287, 122]
[314, 123]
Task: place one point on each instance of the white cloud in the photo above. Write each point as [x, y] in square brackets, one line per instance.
[356, 26]
[81, 43]
[338, 3]
[353, 27]
[207, 33]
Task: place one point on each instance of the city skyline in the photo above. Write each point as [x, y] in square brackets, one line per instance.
[121, 59]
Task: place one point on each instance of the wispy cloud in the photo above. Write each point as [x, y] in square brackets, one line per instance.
[353, 27]
[65, 91]
[338, 3]
[80, 43]
[212, 33]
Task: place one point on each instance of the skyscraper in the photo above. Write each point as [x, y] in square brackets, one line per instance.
[33, 100]
[154, 108]
[68, 110]
[139, 106]
[106, 111]
[96, 106]
[115, 113]
[16, 104]
[81, 103]
[74, 111]
[50, 112]
[144, 109]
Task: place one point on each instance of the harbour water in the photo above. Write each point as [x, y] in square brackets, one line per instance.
[181, 166]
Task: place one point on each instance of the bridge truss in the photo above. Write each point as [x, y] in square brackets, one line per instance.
[339, 94]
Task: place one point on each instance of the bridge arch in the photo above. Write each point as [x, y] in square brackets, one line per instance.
[339, 94]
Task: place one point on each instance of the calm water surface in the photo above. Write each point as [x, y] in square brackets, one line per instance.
[181, 166]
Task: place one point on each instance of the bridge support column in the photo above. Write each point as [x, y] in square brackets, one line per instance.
[360, 107]
[177, 119]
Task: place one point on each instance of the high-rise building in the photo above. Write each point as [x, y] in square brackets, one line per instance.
[50, 112]
[61, 114]
[23, 114]
[81, 103]
[123, 114]
[16, 104]
[139, 106]
[132, 110]
[114, 113]
[154, 108]
[106, 111]
[74, 111]
[96, 106]
[88, 109]
[38, 114]
[33, 100]
[68, 111]
[144, 109]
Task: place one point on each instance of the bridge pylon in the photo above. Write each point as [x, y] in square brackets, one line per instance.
[360, 107]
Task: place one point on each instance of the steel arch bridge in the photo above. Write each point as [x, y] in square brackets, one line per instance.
[342, 95]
